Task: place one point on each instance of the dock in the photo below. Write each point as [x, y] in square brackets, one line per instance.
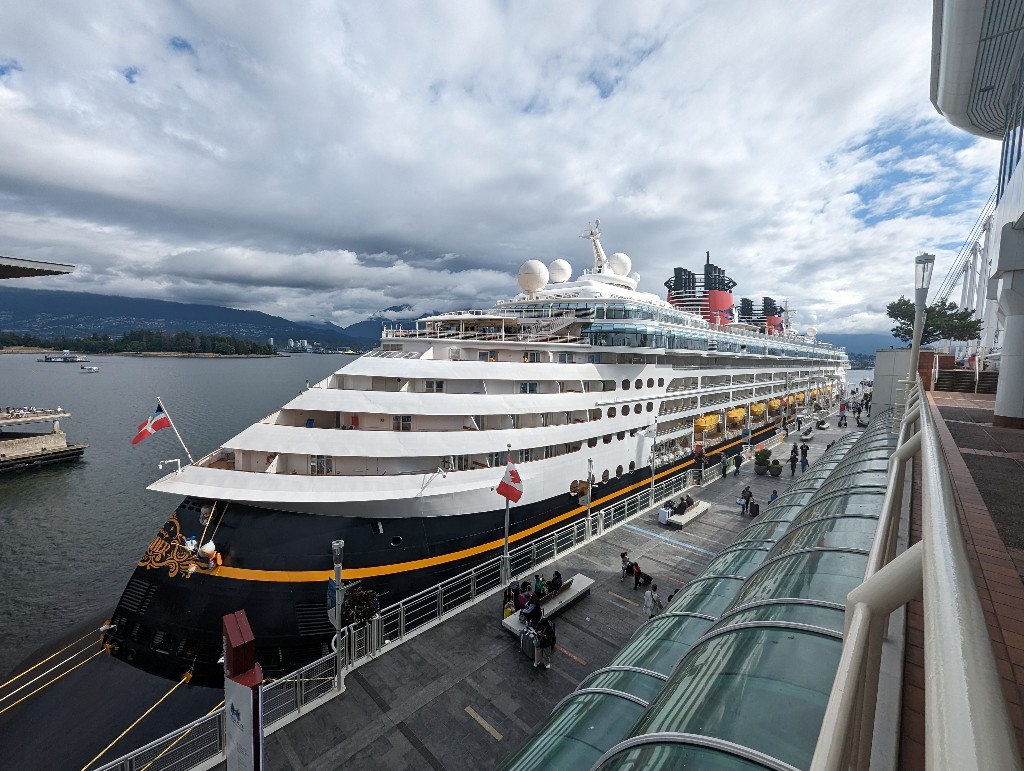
[21, 450]
[463, 696]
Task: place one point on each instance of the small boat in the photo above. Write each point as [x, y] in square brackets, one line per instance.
[66, 357]
[86, 369]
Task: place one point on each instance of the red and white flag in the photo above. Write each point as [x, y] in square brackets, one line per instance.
[152, 424]
[511, 485]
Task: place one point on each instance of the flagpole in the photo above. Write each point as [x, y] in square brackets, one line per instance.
[506, 566]
[169, 420]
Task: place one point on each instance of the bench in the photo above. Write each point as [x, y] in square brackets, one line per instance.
[553, 603]
[697, 510]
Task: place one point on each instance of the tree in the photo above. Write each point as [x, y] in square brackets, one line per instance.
[943, 321]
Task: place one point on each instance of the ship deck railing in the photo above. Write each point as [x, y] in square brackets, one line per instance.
[200, 745]
[967, 724]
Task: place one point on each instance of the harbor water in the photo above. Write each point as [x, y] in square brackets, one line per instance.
[73, 532]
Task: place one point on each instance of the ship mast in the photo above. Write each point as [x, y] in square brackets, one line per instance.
[593, 234]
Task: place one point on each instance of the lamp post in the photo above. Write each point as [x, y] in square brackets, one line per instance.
[923, 265]
[338, 554]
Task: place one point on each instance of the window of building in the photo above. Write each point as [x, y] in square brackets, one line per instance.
[486, 356]
[593, 358]
[632, 466]
[592, 442]
[462, 463]
[495, 459]
[605, 475]
[638, 384]
[661, 382]
[650, 406]
[611, 412]
[618, 471]
[525, 456]
[527, 388]
[566, 358]
[321, 465]
[531, 356]
[621, 435]
[625, 385]
[625, 409]
[433, 386]
[607, 438]
[401, 422]
[650, 382]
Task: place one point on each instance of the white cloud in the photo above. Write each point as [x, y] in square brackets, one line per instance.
[335, 159]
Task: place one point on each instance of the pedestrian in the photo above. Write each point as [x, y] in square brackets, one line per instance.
[792, 465]
[625, 566]
[739, 462]
[746, 496]
[775, 494]
[725, 465]
[544, 643]
[652, 602]
[538, 585]
[803, 463]
[638, 575]
[804, 449]
[799, 423]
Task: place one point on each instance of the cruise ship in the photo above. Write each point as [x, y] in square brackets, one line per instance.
[590, 386]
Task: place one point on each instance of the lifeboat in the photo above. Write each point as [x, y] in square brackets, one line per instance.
[800, 398]
[758, 409]
[774, 404]
[707, 423]
[735, 415]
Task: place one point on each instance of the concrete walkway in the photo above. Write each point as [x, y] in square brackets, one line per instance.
[462, 696]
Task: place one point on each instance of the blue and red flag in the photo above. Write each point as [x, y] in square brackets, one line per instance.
[152, 424]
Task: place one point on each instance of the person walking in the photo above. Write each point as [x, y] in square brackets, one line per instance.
[625, 566]
[804, 463]
[793, 460]
[638, 575]
[804, 449]
[739, 462]
[544, 644]
[725, 465]
[746, 497]
[652, 602]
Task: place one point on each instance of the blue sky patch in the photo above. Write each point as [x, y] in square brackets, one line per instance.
[7, 66]
[130, 73]
[182, 45]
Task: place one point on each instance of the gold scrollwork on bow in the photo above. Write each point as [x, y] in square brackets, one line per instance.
[168, 550]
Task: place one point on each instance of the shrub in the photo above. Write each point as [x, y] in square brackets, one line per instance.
[761, 457]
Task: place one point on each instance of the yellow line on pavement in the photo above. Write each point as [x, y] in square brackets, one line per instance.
[487, 726]
[573, 656]
[624, 599]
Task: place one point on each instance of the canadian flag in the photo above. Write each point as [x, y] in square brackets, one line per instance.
[511, 485]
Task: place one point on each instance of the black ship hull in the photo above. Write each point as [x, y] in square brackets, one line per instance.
[275, 566]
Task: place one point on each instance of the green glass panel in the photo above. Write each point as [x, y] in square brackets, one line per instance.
[761, 688]
[818, 575]
[686, 757]
[709, 596]
[638, 684]
[735, 562]
[797, 613]
[583, 729]
[659, 644]
[835, 532]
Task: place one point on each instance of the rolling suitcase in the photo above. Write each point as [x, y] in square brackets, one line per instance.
[755, 509]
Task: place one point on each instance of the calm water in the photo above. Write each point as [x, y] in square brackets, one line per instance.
[72, 533]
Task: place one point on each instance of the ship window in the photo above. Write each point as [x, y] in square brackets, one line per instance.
[607, 439]
[639, 384]
[650, 382]
[611, 412]
[621, 435]
[396, 541]
[527, 388]
[320, 465]
[401, 422]
[650, 406]
[525, 456]
[618, 471]
[532, 357]
[632, 465]
[661, 382]
[625, 409]
[592, 442]
[550, 451]
[605, 475]
[495, 459]
[486, 356]
[462, 462]
[593, 358]
[625, 385]
[566, 358]
[433, 386]
[545, 418]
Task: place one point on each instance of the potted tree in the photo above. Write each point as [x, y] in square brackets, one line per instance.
[775, 469]
[761, 462]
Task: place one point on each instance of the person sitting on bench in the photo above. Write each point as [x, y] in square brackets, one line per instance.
[555, 583]
[685, 503]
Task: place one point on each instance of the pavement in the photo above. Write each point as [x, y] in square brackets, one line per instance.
[463, 696]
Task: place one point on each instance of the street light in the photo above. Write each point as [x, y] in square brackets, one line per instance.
[923, 265]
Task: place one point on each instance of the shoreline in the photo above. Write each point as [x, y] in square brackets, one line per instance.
[141, 354]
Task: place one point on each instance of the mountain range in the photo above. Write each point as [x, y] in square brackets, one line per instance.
[52, 314]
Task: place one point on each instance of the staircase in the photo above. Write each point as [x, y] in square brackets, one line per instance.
[960, 380]
[987, 382]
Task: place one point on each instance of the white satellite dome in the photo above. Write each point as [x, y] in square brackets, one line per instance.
[533, 275]
[635, 276]
[559, 270]
[620, 264]
[811, 331]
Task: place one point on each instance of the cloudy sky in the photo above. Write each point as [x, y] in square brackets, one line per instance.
[331, 159]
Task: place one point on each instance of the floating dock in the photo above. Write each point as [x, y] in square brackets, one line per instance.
[22, 449]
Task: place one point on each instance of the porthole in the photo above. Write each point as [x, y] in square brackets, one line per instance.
[592, 442]
[625, 409]
[621, 435]
[605, 475]
[638, 384]
[607, 438]
[396, 541]
[650, 406]
[661, 382]
[618, 472]
[650, 382]
[632, 431]
[611, 412]
[625, 385]
[632, 466]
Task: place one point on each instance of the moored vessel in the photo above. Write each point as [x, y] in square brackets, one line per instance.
[589, 385]
[23, 448]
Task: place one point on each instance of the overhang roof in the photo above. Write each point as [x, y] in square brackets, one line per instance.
[13, 267]
[976, 54]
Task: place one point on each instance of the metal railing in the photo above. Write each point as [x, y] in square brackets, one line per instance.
[200, 745]
[967, 725]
